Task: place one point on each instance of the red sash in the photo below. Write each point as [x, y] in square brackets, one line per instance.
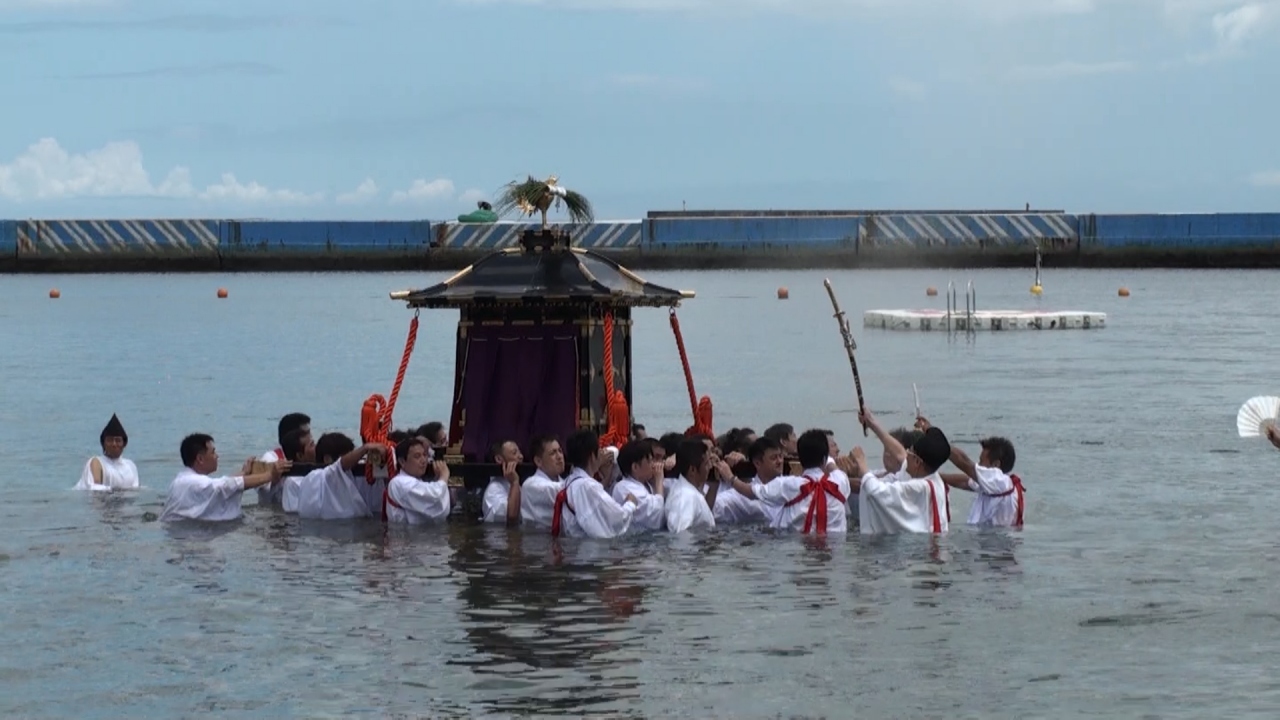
[557, 513]
[279, 453]
[386, 498]
[1017, 488]
[933, 505]
[818, 501]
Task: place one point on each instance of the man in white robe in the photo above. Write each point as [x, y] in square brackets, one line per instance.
[110, 470]
[687, 507]
[1001, 498]
[331, 492]
[583, 508]
[641, 479]
[501, 502]
[195, 495]
[272, 494]
[539, 490]
[766, 456]
[412, 499]
[913, 499]
[893, 460]
[811, 502]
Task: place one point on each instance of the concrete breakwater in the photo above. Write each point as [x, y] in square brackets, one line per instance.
[686, 240]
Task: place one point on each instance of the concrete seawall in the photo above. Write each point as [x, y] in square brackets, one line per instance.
[664, 240]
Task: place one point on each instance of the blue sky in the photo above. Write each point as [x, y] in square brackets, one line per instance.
[404, 109]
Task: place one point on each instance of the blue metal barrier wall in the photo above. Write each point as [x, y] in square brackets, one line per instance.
[743, 232]
[108, 237]
[968, 229]
[617, 235]
[321, 237]
[1182, 230]
[8, 238]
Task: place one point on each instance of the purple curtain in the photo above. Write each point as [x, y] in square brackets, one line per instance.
[520, 381]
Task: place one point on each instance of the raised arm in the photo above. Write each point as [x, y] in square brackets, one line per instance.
[513, 495]
[891, 444]
[350, 459]
[961, 460]
[272, 474]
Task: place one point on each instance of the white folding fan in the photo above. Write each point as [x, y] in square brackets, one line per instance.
[1256, 414]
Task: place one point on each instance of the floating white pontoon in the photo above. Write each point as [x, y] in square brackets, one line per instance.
[984, 320]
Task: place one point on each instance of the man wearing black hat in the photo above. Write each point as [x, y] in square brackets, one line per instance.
[910, 500]
[110, 470]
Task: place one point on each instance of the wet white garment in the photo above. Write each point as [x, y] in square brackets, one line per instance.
[272, 493]
[328, 493]
[649, 515]
[538, 500]
[420, 501]
[854, 506]
[734, 508]
[589, 510]
[496, 495]
[901, 503]
[118, 474]
[771, 512]
[687, 508]
[988, 510]
[782, 490]
[193, 496]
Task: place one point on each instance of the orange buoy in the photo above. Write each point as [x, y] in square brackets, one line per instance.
[222, 292]
[55, 293]
[931, 292]
[783, 293]
[1124, 292]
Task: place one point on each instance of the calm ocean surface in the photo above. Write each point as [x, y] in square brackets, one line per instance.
[1144, 585]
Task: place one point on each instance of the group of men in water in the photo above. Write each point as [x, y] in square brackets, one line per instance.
[675, 483]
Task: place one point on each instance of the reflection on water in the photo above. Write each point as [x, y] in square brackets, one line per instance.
[1143, 585]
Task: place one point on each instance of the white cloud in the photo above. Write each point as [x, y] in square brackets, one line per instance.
[1265, 178]
[1069, 68]
[472, 196]
[987, 8]
[1238, 25]
[233, 190]
[367, 190]
[47, 171]
[423, 191]
[907, 88]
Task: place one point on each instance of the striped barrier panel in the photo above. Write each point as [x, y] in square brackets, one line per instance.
[110, 237]
[325, 237]
[624, 234]
[8, 238]
[970, 229]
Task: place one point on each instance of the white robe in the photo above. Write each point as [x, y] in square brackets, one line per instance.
[901, 503]
[854, 508]
[271, 493]
[734, 508]
[421, 501]
[649, 514]
[538, 500]
[782, 490]
[193, 496]
[590, 512]
[687, 508]
[329, 493]
[118, 474]
[496, 494]
[987, 510]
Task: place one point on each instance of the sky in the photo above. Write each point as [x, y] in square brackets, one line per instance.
[416, 109]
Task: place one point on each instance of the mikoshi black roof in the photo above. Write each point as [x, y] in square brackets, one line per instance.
[570, 275]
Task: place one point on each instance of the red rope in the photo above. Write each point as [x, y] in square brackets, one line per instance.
[701, 408]
[375, 416]
[617, 413]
